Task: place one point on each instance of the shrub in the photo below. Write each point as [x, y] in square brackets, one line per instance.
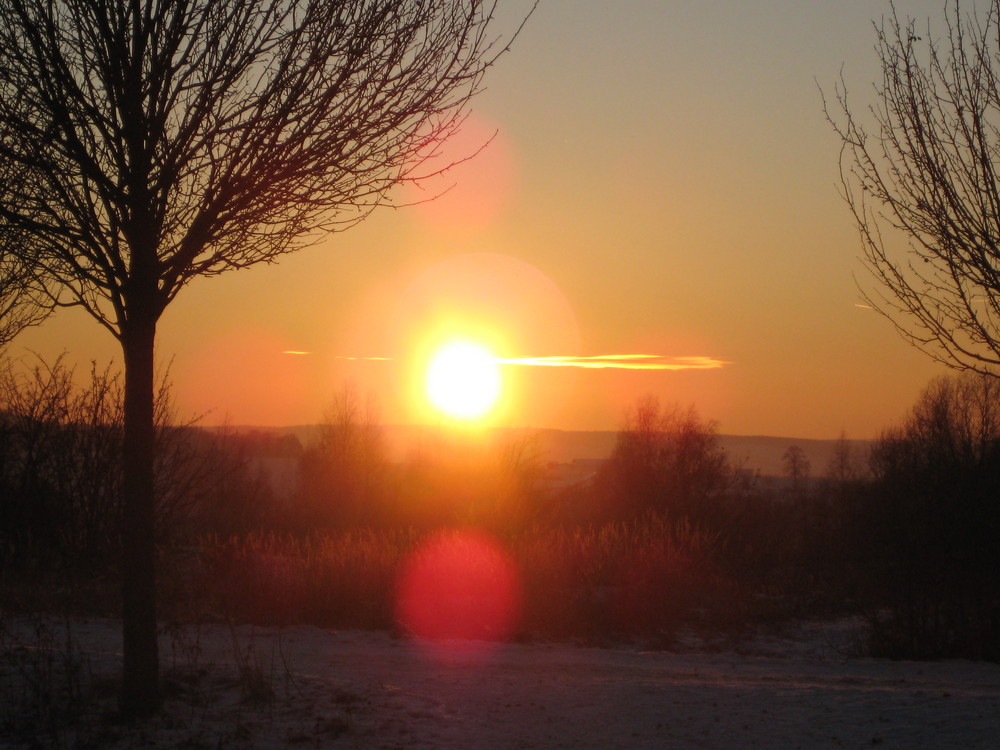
[664, 459]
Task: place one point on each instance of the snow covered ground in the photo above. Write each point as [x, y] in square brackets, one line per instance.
[307, 687]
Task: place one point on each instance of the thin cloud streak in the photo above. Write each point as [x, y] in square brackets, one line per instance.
[600, 362]
[620, 362]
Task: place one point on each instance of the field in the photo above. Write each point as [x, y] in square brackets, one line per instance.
[306, 687]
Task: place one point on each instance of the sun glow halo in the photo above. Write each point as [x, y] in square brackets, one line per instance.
[463, 380]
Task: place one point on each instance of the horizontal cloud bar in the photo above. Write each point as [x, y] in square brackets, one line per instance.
[603, 362]
[620, 362]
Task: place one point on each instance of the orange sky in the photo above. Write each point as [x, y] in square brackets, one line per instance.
[663, 182]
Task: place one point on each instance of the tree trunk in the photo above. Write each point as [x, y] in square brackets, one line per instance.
[140, 670]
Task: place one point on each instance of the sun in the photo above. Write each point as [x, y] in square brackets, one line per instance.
[463, 380]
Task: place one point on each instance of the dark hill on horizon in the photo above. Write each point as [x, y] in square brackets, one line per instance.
[757, 453]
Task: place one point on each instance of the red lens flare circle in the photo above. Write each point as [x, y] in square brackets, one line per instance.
[459, 591]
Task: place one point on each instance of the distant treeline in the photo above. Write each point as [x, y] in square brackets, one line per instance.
[668, 533]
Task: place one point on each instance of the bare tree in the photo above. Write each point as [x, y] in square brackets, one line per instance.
[342, 476]
[920, 174]
[846, 464]
[666, 459]
[797, 466]
[145, 143]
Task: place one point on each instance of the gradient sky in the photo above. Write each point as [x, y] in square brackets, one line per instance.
[663, 182]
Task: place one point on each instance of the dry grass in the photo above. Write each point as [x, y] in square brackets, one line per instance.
[646, 578]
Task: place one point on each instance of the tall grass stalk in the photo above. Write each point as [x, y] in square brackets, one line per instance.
[618, 580]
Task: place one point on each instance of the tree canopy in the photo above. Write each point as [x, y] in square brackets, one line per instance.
[159, 141]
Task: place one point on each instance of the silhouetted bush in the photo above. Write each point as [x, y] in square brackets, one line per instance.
[61, 447]
[665, 460]
[344, 475]
[60, 469]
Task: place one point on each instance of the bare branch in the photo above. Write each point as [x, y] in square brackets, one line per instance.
[22, 301]
[190, 138]
[920, 174]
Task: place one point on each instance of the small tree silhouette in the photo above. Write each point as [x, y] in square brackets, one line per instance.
[665, 459]
[797, 467]
[343, 476]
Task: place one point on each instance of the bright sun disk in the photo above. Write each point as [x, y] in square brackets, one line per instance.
[463, 380]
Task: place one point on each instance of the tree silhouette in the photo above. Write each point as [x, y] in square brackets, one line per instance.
[931, 524]
[920, 174]
[843, 466]
[797, 466]
[20, 307]
[146, 143]
[342, 476]
[665, 459]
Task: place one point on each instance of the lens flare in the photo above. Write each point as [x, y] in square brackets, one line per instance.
[459, 585]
